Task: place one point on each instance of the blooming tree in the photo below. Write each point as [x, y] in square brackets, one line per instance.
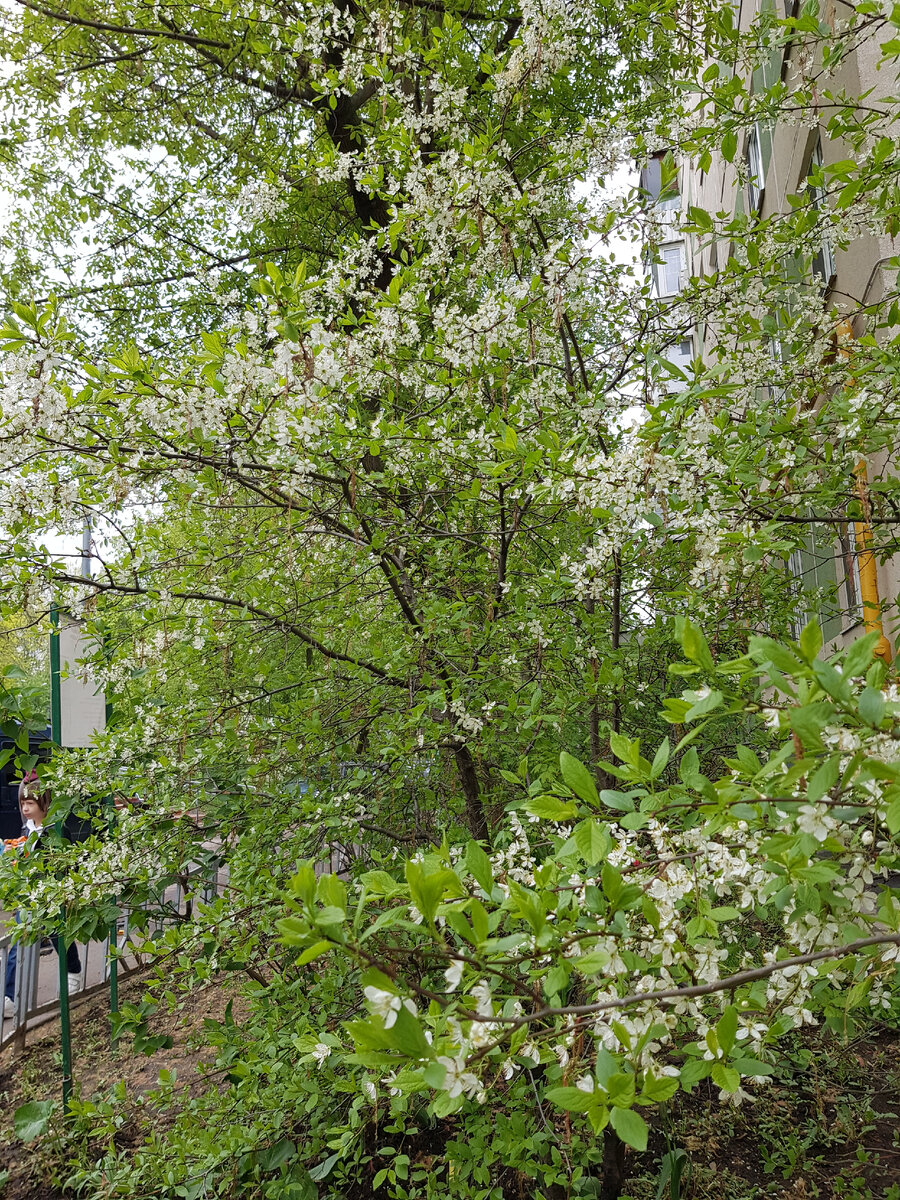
[328, 319]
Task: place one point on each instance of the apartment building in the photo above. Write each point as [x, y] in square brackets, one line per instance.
[669, 273]
[836, 575]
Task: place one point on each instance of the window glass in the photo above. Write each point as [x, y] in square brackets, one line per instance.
[849, 555]
[823, 262]
[668, 272]
[755, 172]
[812, 567]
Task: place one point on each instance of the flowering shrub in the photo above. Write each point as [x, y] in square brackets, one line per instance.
[630, 942]
[395, 498]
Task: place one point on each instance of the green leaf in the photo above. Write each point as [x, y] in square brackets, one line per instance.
[630, 1126]
[695, 646]
[810, 641]
[809, 721]
[272, 1158]
[294, 931]
[407, 1036]
[593, 841]
[634, 820]
[329, 915]
[726, 1028]
[694, 1070]
[765, 650]
[379, 883]
[551, 808]
[859, 656]
[729, 145]
[32, 1120]
[625, 748]
[578, 778]
[752, 1067]
[823, 779]
[606, 1066]
[725, 1078]
[612, 881]
[571, 1099]
[303, 884]
[479, 918]
[435, 1075]
[314, 951]
[660, 759]
[671, 1169]
[480, 867]
[591, 963]
[871, 706]
[620, 1089]
[660, 1089]
[832, 681]
[323, 1169]
[703, 705]
[429, 887]
[621, 801]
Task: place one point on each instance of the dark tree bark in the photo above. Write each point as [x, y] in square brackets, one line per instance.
[613, 1178]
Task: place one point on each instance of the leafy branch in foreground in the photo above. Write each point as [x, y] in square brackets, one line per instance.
[633, 942]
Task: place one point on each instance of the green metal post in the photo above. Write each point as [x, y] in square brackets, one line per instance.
[55, 704]
[113, 953]
[65, 1029]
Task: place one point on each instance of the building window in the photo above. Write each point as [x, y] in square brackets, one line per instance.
[849, 555]
[814, 584]
[667, 272]
[755, 171]
[776, 353]
[823, 261]
[651, 183]
[799, 611]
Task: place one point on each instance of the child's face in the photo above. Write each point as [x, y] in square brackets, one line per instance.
[31, 810]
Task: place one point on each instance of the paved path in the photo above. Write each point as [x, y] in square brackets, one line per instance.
[92, 972]
[92, 966]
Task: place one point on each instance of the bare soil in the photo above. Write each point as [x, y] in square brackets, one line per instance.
[827, 1127]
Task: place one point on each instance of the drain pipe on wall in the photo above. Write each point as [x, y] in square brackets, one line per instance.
[866, 563]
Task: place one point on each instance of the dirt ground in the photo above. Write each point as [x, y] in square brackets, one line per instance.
[36, 1074]
[826, 1127]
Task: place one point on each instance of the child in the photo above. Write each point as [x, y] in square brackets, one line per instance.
[33, 805]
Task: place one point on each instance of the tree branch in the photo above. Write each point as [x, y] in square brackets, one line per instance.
[681, 993]
[251, 609]
[189, 39]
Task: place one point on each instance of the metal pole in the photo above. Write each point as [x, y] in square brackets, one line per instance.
[86, 549]
[113, 949]
[65, 1029]
[64, 1025]
[55, 702]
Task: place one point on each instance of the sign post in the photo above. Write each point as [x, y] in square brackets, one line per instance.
[77, 714]
[65, 1028]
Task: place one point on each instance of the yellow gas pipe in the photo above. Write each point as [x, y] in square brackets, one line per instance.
[866, 564]
[868, 571]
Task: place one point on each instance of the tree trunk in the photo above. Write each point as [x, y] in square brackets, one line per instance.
[613, 1165]
[468, 777]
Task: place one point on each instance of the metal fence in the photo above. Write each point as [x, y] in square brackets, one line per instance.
[37, 976]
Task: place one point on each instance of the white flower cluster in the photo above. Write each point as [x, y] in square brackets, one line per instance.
[260, 200]
[465, 720]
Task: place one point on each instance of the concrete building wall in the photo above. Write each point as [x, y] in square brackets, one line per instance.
[858, 278]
